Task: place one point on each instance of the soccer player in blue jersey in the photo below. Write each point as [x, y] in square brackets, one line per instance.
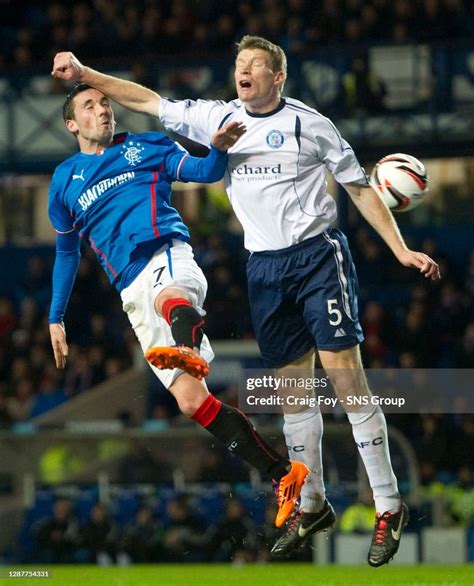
[301, 278]
[115, 195]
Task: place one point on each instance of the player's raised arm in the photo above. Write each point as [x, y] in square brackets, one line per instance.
[128, 94]
[376, 212]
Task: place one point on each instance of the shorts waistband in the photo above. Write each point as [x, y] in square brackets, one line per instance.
[294, 247]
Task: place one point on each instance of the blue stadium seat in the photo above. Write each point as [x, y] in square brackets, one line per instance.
[164, 494]
[84, 503]
[255, 501]
[125, 505]
[211, 505]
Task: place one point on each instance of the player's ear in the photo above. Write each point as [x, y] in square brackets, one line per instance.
[280, 77]
[72, 126]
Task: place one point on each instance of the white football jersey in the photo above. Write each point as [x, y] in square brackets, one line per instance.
[276, 175]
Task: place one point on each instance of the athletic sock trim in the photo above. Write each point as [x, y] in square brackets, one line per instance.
[207, 411]
[194, 330]
[171, 304]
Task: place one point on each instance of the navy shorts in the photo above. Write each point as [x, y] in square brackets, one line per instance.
[304, 296]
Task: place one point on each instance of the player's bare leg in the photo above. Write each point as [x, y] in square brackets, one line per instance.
[369, 428]
[303, 429]
[236, 432]
[186, 327]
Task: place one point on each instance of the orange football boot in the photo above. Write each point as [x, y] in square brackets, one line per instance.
[181, 357]
[288, 490]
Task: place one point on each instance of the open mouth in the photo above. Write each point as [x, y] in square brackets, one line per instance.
[244, 84]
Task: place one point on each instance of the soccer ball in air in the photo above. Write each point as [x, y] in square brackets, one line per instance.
[400, 180]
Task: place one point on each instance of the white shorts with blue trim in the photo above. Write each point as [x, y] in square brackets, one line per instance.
[173, 265]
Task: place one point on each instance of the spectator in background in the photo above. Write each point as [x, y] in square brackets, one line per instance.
[233, 538]
[36, 282]
[7, 317]
[358, 517]
[363, 90]
[461, 453]
[99, 537]
[375, 324]
[411, 332]
[19, 369]
[120, 30]
[21, 403]
[6, 419]
[430, 443]
[465, 348]
[78, 376]
[50, 393]
[460, 497]
[58, 537]
[183, 539]
[449, 318]
[141, 539]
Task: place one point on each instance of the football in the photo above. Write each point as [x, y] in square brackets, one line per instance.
[400, 180]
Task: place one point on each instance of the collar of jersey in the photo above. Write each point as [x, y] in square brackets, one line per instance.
[280, 106]
[120, 137]
[117, 139]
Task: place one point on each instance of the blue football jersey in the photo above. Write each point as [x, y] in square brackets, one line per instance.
[119, 200]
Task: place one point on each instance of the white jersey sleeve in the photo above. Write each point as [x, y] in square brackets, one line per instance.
[337, 154]
[195, 119]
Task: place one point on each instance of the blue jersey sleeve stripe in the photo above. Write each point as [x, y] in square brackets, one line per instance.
[63, 231]
[170, 259]
[180, 166]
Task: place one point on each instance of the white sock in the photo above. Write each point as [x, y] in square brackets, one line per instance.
[303, 433]
[370, 433]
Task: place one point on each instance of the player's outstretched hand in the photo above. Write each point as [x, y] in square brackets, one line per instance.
[228, 135]
[67, 66]
[58, 342]
[419, 260]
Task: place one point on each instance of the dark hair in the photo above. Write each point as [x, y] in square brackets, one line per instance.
[68, 106]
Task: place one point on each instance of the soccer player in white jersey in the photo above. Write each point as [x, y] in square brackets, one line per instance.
[302, 282]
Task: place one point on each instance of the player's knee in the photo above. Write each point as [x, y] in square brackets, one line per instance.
[166, 295]
[189, 394]
[188, 406]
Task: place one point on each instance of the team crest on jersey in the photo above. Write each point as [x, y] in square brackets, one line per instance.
[131, 151]
[275, 139]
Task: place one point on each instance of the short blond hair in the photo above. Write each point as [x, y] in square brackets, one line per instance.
[277, 55]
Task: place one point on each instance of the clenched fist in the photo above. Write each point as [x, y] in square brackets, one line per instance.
[67, 66]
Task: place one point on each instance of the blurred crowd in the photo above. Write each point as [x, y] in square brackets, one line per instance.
[100, 346]
[122, 29]
[174, 531]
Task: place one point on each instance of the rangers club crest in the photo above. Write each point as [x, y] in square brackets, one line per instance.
[131, 152]
[275, 139]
